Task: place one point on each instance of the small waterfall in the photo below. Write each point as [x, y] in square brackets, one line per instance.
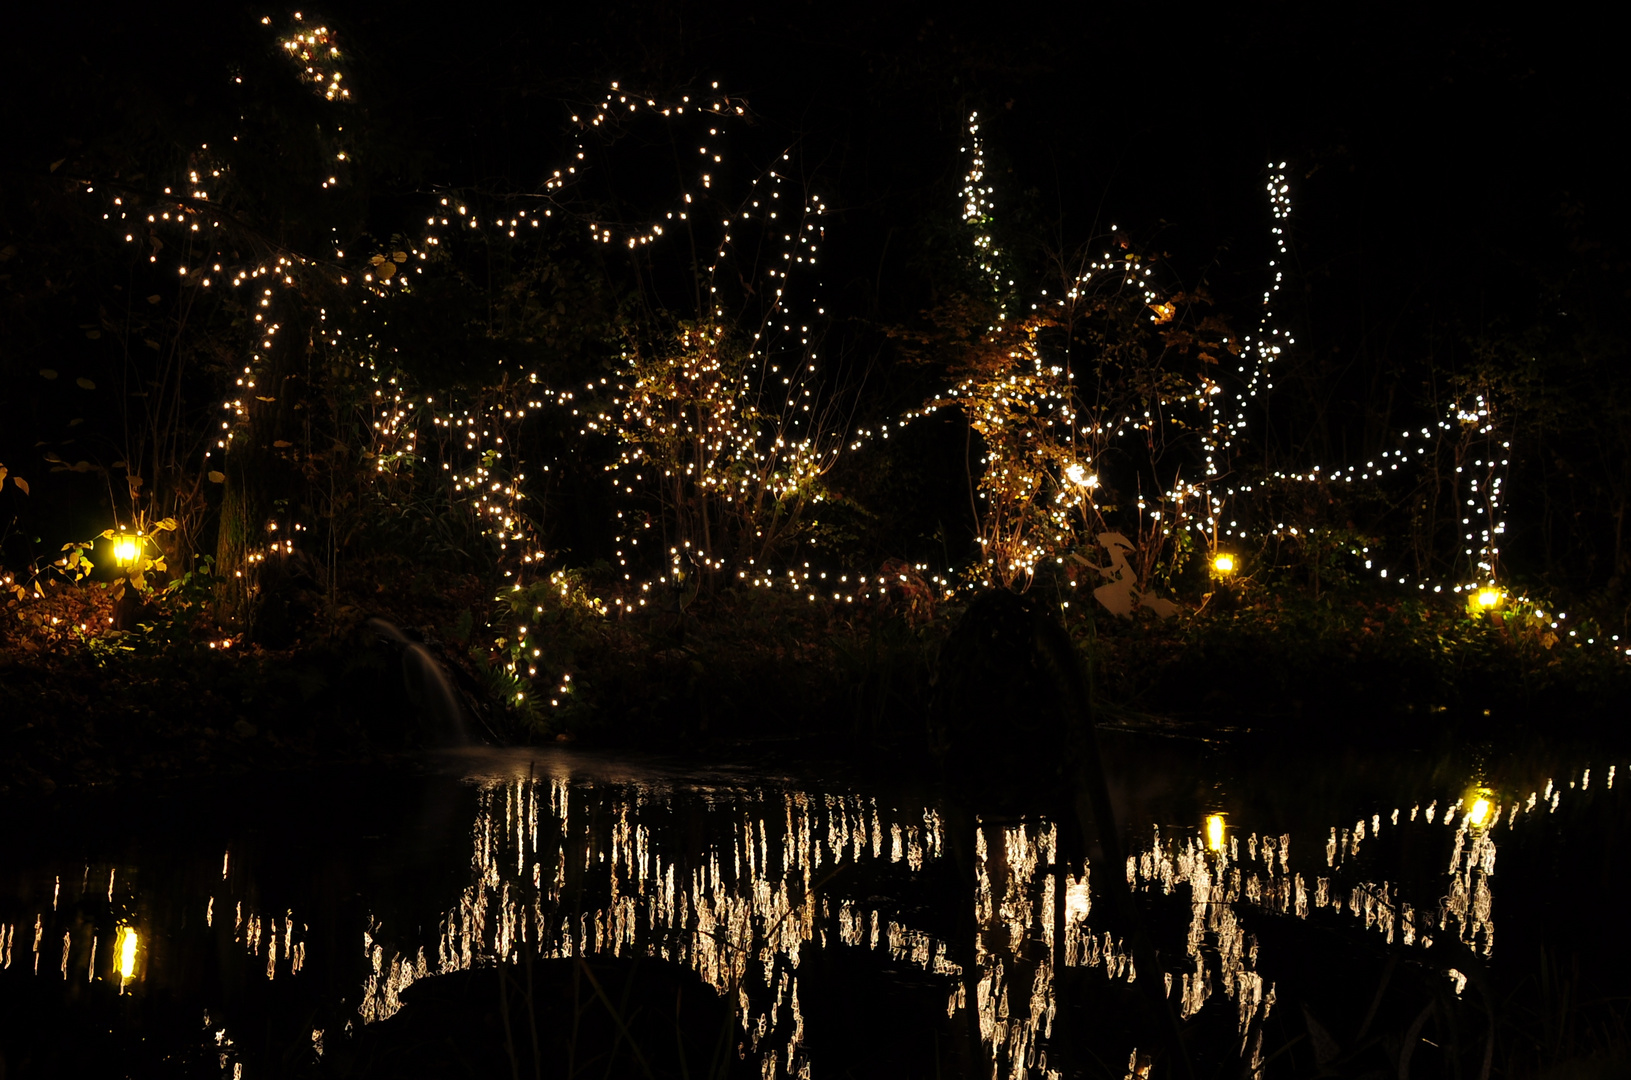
[427, 686]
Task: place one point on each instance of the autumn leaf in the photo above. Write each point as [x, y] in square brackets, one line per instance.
[217, 477]
[387, 270]
[281, 443]
[84, 383]
[400, 256]
[48, 373]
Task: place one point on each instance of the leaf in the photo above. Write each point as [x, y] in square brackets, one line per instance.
[217, 477]
[93, 334]
[135, 482]
[84, 383]
[155, 298]
[259, 398]
[48, 373]
[281, 443]
[376, 260]
[1326, 1048]
[387, 270]
[167, 525]
[150, 343]
[400, 256]
[55, 165]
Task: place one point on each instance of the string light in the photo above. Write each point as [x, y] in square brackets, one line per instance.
[721, 421]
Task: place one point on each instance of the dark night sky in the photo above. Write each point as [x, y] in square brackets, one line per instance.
[1430, 145]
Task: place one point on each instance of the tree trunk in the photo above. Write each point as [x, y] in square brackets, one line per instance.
[257, 475]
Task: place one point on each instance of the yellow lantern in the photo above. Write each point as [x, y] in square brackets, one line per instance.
[127, 550]
[1487, 599]
[1214, 832]
[1223, 564]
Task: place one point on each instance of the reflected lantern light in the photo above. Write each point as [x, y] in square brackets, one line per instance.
[125, 953]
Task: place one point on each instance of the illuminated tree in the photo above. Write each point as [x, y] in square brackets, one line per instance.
[732, 478]
[723, 418]
[1093, 396]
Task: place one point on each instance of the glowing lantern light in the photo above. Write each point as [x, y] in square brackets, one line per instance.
[1081, 477]
[125, 949]
[1214, 832]
[1479, 813]
[126, 549]
[1488, 598]
[1223, 563]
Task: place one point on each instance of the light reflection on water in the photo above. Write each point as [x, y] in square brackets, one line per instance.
[739, 882]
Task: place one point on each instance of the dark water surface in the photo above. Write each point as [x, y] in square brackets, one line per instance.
[549, 913]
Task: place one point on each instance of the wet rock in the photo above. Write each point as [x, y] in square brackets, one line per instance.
[1006, 713]
[600, 1017]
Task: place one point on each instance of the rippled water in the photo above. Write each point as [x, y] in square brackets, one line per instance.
[1302, 910]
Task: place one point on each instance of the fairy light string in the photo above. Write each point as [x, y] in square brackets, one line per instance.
[722, 421]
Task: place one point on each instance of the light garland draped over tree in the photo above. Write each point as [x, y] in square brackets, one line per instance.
[1110, 407]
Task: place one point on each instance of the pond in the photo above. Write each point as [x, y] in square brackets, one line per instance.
[554, 913]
